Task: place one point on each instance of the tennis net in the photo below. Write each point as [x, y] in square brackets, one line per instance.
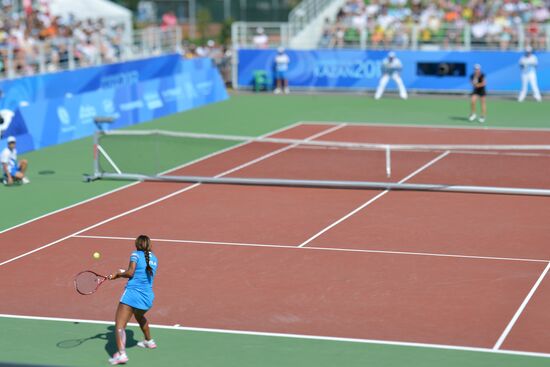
[159, 155]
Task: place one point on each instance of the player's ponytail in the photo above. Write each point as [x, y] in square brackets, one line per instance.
[143, 243]
[148, 269]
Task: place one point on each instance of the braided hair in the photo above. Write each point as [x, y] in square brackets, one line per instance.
[143, 243]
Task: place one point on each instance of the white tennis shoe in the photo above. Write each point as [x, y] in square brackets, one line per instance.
[147, 344]
[118, 358]
[472, 117]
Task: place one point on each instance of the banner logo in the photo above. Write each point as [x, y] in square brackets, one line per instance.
[333, 69]
[86, 114]
[63, 115]
[205, 88]
[108, 106]
[153, 101]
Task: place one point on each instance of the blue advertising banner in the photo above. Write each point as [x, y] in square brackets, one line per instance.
[56, 85]
[361, 69]
[57, 120]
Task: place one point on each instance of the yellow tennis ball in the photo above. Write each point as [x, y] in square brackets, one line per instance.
[96, 255]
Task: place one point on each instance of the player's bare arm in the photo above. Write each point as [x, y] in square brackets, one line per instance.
[128, 273]
[7, 173]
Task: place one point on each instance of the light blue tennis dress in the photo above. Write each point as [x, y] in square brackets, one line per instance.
[139, 289]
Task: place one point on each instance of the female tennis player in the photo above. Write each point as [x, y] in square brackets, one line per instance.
[137, 298]
[479, 91]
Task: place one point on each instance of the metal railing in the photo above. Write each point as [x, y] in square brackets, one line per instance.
[59, 54]
[415, 37]
[245, 34]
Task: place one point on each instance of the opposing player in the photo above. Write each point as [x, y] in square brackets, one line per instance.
[479, 91]
[528, 64]
[137, 298]
[391, 68]
[281, 68]
[12, 169]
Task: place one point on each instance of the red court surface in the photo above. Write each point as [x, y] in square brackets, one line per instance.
[437, 268]
[288, 290]
[229, 213]
[490, 170]
[449, 223]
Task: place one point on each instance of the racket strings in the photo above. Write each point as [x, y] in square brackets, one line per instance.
[87, 282]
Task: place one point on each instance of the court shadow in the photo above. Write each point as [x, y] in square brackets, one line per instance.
[74, 343]
[109, 337]
[459, 118]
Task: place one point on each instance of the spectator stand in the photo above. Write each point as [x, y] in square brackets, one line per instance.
[39, 42]
[446, 24]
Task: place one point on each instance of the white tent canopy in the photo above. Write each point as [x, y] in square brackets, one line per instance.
[85, 9]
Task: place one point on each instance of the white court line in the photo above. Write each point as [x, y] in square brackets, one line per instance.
[108, 158]
[69, 207]
[265, 156]
[283, 149]
[282, 129]
[520, 310]
[294, 336]
[99, 224]
[364, 205]
[339, 249]
[424, 126]
[520, 153]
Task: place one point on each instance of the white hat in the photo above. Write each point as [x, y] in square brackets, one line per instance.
[528, 49]
[11, 139]
[260, 30]
[210, 43]
[281, 49]
[477, 66]
[391, 54]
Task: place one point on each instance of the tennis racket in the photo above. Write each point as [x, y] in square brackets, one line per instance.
[87, 282]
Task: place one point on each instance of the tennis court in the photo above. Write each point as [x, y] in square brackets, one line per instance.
[434, 270]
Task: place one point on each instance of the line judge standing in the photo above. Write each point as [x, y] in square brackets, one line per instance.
[391, 68]
[528, 64]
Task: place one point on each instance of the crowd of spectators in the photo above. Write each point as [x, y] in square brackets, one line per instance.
[37, 41]
[391, 23]
[36, 37]
[221, 55]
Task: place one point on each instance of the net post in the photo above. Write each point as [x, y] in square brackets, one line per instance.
[388, 161]
[96, 175]
[96, 153]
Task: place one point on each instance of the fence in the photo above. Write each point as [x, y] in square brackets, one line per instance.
[479, 36]
[401, 36]
[279, 34]
[68, 54]
[244, 34]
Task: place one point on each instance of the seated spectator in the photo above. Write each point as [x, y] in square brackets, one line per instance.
[338, 40]
[327, 36]
[260, 40]
[169, 20]
[189, 51]
[13, 170]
